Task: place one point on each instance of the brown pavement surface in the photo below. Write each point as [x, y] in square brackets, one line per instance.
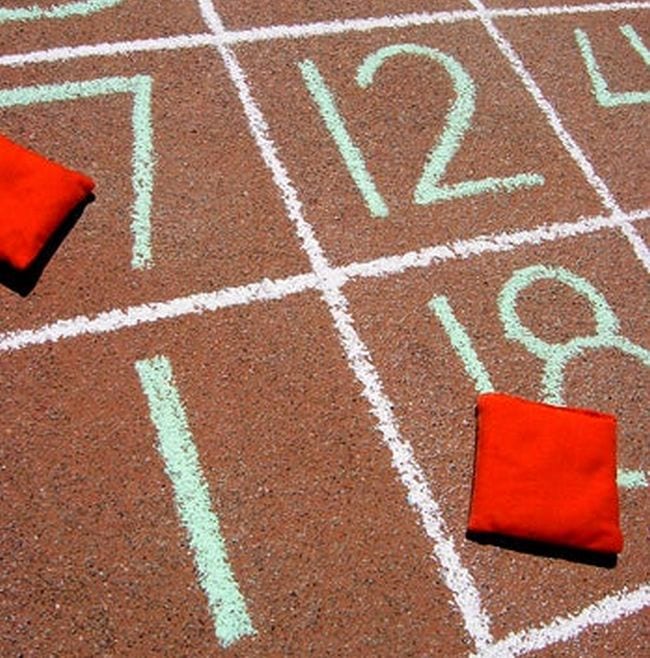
[238, 14]
[323, 539]
[94, 560]
[216, 219]
[644, 230]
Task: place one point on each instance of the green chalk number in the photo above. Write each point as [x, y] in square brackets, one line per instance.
[556, 356]
[599, 87]
[192, 499]
[429, 188]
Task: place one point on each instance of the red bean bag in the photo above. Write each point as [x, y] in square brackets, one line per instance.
[36, 197]
[546, 474]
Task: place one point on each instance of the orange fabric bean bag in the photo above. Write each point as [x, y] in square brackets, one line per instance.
[36, 197]
[546, 474]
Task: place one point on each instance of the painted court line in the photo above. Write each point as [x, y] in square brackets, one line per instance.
[607, 610]
[301, 31]
[638, 245]
[116, 319]
[108, 49]
[269, 290]
[456, 577]
[396, 21]
[192, 498]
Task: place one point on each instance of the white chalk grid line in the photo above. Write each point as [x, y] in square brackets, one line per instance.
[302, 31]
[330, 280]
[276, 289]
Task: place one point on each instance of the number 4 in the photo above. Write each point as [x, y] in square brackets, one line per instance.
[599, 86]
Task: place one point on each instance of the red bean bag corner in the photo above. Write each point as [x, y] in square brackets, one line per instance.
[546, 474]
[36, 197]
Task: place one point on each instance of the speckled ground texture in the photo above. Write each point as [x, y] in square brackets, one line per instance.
[324, 538]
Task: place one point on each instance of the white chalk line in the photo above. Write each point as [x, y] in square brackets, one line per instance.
[359, 357]
[396, 21]
[117, 319]
[456, 577]
[344, 26]
[547, 109]
[500, 242]
[299, 31]
[597, 183]
[65, 53]
[561, 629]
[561, 10]
[609, 609]
[270, 290]
[638, 244]
[480, 12]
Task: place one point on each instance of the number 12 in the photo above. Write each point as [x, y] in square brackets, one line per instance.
[429, 188]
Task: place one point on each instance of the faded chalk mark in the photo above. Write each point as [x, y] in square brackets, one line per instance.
[458, 122]
[556, 355]
[192, 498]
[635, 41]
[599, 86]
[462, 344]
[142, 158]
[60, 10]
